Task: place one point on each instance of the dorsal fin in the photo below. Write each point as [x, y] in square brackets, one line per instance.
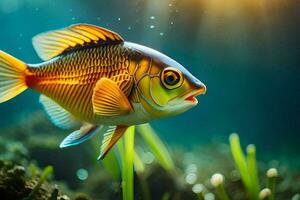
[51, 44]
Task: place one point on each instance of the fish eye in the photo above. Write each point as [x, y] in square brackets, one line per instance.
[171, 78]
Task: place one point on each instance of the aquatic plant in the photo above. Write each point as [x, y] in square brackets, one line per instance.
[265, 194]
[245, 165]
[217, 180]
[248, 171]
[129, 159]
[151, 180]
[157, 147]
[17, 183]
[247, 168]
[127, 156]
[45, 174]
[271, 181]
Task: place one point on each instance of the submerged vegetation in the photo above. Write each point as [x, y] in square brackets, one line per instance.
[139, 167]
[247, 168]
[130, 159]
[18, 183]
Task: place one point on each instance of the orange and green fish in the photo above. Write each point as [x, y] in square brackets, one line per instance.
[93, 80]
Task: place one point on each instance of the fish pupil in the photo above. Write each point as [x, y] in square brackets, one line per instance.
[171, 78]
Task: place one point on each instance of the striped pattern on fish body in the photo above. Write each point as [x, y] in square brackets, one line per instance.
[92, 78]
[70, 78]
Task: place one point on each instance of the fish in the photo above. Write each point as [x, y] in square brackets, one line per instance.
[93, 81]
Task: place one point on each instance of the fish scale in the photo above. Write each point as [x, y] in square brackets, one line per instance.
[58, 79]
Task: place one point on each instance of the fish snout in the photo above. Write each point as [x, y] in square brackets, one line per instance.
[200, 87]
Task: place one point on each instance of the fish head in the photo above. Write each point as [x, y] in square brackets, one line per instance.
[166, 87]
[173, 91]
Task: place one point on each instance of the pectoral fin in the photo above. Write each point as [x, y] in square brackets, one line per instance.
[110, 138]
[109, 100]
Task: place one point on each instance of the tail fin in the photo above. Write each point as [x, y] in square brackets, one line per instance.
[12, 77]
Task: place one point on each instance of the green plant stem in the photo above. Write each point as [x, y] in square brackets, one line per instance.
[144, 187]
[252, 168]
[139, 169]
[222, 193]
[200, 196]
[127, 164]
[33, 170]
[138, 164]
[46, 172]
[165, 196]
[239, 158]
[157, 147]
[120, 145]
[241, 164]
[271, 183]
[111, 164]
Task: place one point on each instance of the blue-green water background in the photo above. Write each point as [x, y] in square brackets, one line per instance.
[246, 52]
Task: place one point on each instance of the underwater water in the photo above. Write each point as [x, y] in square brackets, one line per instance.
[246, 53]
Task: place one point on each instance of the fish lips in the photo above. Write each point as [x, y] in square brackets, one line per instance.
[191, 97]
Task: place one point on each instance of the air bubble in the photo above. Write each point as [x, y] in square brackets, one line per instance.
[198, 188]
[191, 178]
[82, 174]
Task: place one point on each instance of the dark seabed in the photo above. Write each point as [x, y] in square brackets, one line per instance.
[246, 52]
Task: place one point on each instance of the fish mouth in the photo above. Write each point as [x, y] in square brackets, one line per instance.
[191, 97]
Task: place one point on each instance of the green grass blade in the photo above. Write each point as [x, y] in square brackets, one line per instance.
[120, 145]
[157, 147]
[143, 185]
[127, 166]
[272, 174]
[45, 174]
[239, 159]
[252, 167]
[112, 165]
[110, 162]
[138, 164]
[222, 193]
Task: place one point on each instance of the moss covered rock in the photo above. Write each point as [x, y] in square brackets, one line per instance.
[17, 183]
